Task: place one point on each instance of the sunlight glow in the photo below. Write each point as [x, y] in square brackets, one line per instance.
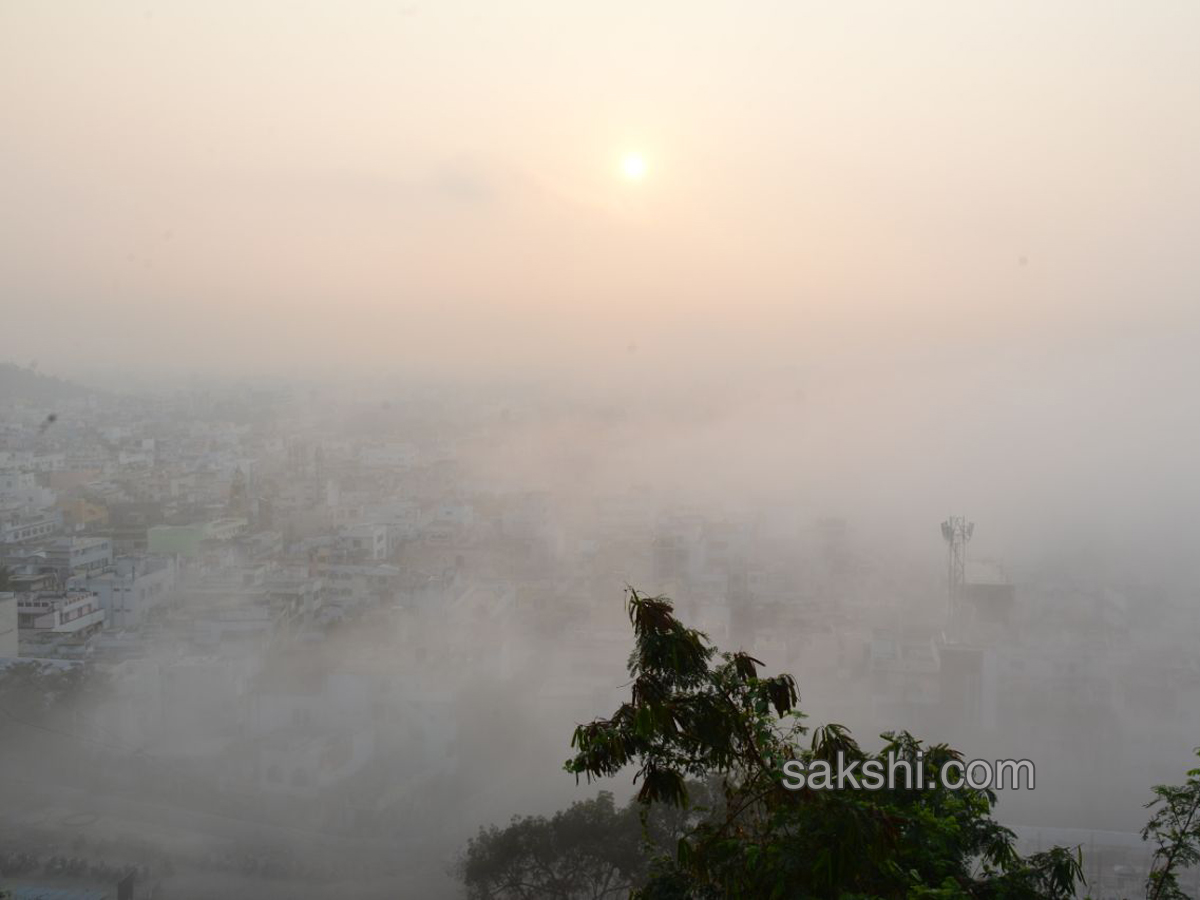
[634, 167]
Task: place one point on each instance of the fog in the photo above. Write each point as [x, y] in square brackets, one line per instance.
[377, 184]
[348, 383]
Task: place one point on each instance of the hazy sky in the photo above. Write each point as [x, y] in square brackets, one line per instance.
[261, 186]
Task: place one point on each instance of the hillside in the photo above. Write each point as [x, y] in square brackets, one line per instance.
[24, 385]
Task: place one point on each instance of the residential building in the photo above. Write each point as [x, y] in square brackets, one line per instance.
[21, 528]
[130, 588]
[66, 612]
[21, 491]
[79, 555]
[365, 540]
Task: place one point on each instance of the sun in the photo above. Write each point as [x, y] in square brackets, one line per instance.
[633, 166]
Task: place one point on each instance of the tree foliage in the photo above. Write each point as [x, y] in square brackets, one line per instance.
[590, 851]
[1174, 827]
[35, 696]
[696, 713]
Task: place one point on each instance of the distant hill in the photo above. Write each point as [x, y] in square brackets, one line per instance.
[26, 385]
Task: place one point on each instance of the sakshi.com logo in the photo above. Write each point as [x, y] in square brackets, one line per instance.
[904, 772]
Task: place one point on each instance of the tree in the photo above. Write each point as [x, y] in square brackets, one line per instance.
[590, 850]
[697, 713]
[5, 579]
[1175, 829]
[40, 697]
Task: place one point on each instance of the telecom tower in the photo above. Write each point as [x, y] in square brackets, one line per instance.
[957, 532]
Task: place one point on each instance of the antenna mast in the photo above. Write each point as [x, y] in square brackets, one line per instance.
[956, 531]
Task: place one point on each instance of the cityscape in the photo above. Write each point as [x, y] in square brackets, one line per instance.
[294, 625]
[562, 451]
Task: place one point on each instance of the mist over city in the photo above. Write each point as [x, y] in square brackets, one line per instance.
[432, 435]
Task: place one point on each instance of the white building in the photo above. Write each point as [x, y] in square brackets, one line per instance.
[77, 555]
[130, 588]
[20, 490]
[72, 612]
[402, 518]
[20, 528]
[365, 540]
